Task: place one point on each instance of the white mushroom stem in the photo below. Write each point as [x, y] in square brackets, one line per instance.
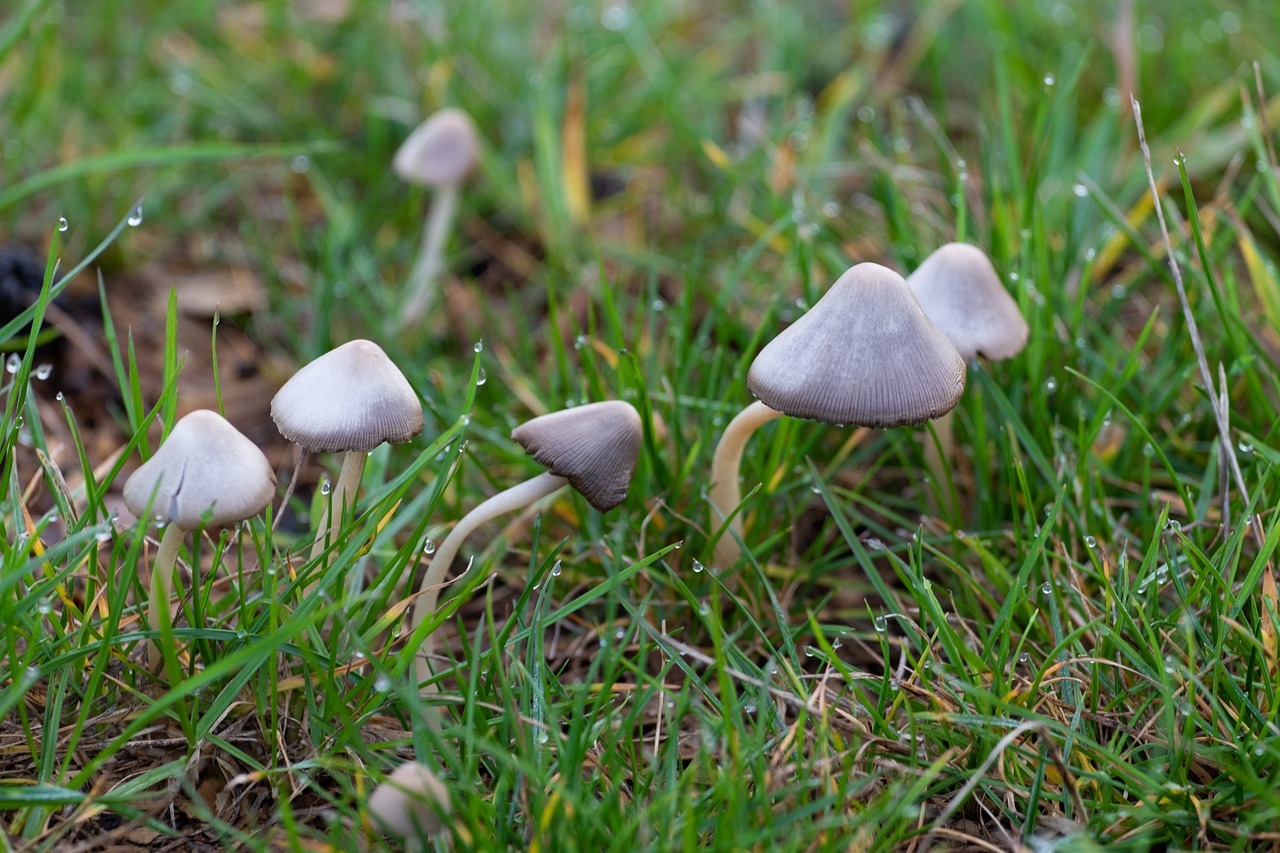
[342, 498]
[725, 493]
[158, 613]
[427, 268]
[429, 592]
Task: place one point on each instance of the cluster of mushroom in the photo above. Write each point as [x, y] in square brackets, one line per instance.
[877, 350]
[350, 400]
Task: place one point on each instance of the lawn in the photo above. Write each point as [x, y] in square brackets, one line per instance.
[1062, 637]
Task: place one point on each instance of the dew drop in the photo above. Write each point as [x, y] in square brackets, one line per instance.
[325, 488]
[135, 218]
[697, 566]
[1050, 385]
[1024, 657]
[620, 633]
[1174, 525]
[1245, 447]
[301, 164]
[429, 547]
[44, 608]
[62, 224]
[556, 569]
[543, 737]
[1047, 588]
[43, 372]
[59, 397]
[880, 624]
[13, 363]
[1090, 542]
[478, 346]
[382, 682]
[481, 378]
[1080, 190]
[875, 544]
[1049, 79]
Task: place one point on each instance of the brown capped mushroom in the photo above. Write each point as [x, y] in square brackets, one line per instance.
[206, 473]
[865, 354]
[349, 401]
[440, 153]
[593, 448]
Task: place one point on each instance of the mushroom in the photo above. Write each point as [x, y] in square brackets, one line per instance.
[959, 290]
[349, 401]
[864, 354]
[206, 473]
[440, 153]
[593, 448]
[410, 804]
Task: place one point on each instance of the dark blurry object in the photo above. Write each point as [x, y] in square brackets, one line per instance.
[21, 276]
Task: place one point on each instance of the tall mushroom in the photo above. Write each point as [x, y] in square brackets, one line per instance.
[410, 804]
[864, 354]
[959, 290]
[593, 448]
[206, 473]
[348, 401]
[440, 153]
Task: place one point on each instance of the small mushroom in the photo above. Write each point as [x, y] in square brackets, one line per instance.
[593, 448]
[440, 153]
[206, 473]
[865, 354]
[959, 290]
[349, 401]
[411, 805]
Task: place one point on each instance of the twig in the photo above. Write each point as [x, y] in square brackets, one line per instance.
[1224, 434]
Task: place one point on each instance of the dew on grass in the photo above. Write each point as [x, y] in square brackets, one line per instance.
[301, 164]
[658, 305]
[135, 217]
[325, 488]
[1024, 657]
[875, 544]
[478, 346]
[44, 608]
[43, 372]
[103, 536]
[59, 397]
[1174, 525]
[704, 609]
[749, 707]
[382, 682]
[556, 569]
[1046, 588]
[1050, 385]
[881, 623]
[1049, 79]
[13, 363]
[1090, 542]
[697, 566]
[62, 224]
[1244, 447]
[620, 633]
[671, 704]
[481, 378]
[1080, 190]
[429, 547]
[579, 341]
[543, 737]
[616, 15]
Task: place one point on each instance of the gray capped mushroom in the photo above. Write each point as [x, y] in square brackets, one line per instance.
[440, 153]
[593, 448]
[959, 290]
[411, 804]
[864, 354]
[206, 473]
[349, 401]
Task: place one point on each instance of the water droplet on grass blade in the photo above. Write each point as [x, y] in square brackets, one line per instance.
[135, 217]
[478, 346]
[62, 224]
[1046, 588]
[481, 378]
[429, 547]
[556, 569]
[13, 363]
[43, 372]
[697, 566]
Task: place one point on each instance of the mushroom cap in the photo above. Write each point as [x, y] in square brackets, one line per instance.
[351, 398]
[442, 150]
[594, 447]
[204, 466]
[958, 288]
[409, 804]
[864, 354]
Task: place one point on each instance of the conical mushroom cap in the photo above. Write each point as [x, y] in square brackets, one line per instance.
[351, 398]
[409, 804]
[594, 447]
[865, 354]
[205, 465]
[442, 150]
[960, 292]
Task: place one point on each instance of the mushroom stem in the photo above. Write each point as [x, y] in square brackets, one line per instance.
[340, 500]
[158, 613]
[725, 493]
[426, 269]
[512, 499]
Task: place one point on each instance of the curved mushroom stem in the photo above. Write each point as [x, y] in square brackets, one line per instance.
[341, 499]
[429, 591]
[422, 278]
[161, 588]
[725, 494]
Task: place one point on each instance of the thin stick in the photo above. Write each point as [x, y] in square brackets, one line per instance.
[1224, 433]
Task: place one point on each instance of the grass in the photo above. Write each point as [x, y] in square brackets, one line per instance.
[1080, 651]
